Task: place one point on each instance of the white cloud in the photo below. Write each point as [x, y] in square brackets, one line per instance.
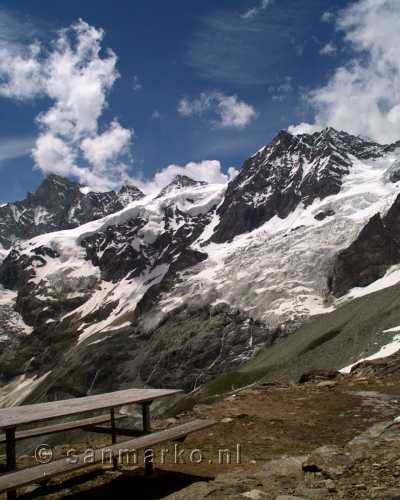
[54, 155]
[75, 76]
[209, 171]
[329, 49]
[303, 128]
[363, 96]
[15, 147]
[21, 74]
[253, 12]
[225, 111]
[327, 17]
[104, 149]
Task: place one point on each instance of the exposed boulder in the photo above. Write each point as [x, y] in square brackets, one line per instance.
[332, 461]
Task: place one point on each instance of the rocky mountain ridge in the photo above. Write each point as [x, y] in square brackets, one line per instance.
[58, 204]
[289, 171]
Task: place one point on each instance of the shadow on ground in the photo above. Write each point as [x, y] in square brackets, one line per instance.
[95, 485]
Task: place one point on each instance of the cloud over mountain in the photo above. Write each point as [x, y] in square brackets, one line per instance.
[222, 110]
[76, 77]
[363, 96]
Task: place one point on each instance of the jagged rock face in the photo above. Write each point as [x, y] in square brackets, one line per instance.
[291, 170]
[58, 204]
[367, 259]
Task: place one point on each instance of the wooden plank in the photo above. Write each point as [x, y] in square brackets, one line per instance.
[66, 426]
[27, 414]
[36, 474]
[113, 435]
[148, 464]
[11, 459]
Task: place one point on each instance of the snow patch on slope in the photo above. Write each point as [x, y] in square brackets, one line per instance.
[16, 391]
[385, 351]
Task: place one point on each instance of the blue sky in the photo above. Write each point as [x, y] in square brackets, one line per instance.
[244, 69]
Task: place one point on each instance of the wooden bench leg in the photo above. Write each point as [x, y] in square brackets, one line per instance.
[11, 458]
[113, 436]
[148, 462]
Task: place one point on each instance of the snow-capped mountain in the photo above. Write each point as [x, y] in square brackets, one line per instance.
[177, 287]
[58, 204]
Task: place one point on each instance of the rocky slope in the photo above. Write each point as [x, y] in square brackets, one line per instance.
[181, 286]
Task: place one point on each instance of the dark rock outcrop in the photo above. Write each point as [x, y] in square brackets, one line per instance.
[367, 259]
[323, 215]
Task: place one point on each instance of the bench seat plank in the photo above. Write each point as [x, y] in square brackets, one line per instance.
[29, 414]
[13, 480]
[62, 427]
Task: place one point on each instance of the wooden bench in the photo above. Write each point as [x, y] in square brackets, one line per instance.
[84, 424]
[13, 480]
[11, 419]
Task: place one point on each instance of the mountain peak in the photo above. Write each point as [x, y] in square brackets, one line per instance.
[129, 193]
[180, 182]
[57, 180]
[184, 181]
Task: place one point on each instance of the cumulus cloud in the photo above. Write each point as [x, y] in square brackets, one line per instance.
[363, 96]
[21, 74]
[223, 110]
[208, 170]
[104, 149]
[254, 11]
[76, 77]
